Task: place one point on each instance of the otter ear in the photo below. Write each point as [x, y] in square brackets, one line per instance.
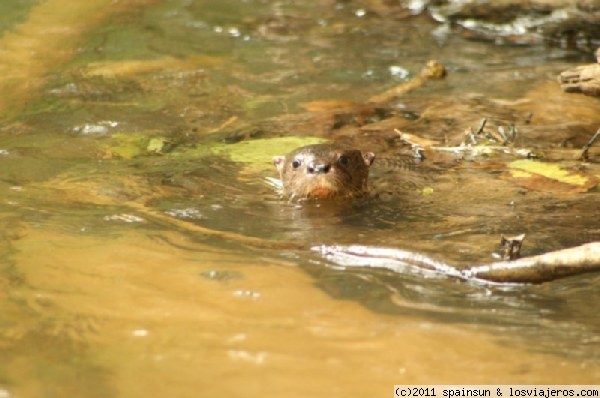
[279, 161]
[369, 158]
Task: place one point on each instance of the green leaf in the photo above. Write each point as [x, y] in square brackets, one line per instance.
[261, 151]
[157, 145]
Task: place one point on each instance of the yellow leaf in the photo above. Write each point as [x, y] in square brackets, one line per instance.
[549, 170]
[427, 191]
[519, 174]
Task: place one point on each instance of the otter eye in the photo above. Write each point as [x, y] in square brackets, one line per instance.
[296, 163]
[344, 160]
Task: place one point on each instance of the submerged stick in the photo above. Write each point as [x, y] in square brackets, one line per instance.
[432, 71]
[249, 241]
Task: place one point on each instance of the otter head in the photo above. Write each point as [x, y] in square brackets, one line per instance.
[324, 171]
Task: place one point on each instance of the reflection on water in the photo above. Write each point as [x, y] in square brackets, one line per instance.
[116, 169]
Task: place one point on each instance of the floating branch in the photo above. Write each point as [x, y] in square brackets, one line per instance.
[535, 269]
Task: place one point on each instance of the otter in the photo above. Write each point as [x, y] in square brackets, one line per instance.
[323, 171]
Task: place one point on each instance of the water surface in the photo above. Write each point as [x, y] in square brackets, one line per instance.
[142, 254]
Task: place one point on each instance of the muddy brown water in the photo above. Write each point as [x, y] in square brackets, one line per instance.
[146, 106]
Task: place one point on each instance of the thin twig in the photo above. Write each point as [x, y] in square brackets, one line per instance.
[474, 149]
[481, 126]
[584, 151]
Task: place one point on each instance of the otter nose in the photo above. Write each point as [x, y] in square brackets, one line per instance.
[318, 168]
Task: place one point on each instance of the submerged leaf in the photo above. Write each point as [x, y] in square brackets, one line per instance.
[549, 170]
[131, 145]
[157, 145]
[427, 191]
[546, 176]
[261, 151]
[520, 174]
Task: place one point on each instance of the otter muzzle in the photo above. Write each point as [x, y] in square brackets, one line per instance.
[318, 168]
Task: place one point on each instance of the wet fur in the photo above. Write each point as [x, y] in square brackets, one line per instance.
[340, 181]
